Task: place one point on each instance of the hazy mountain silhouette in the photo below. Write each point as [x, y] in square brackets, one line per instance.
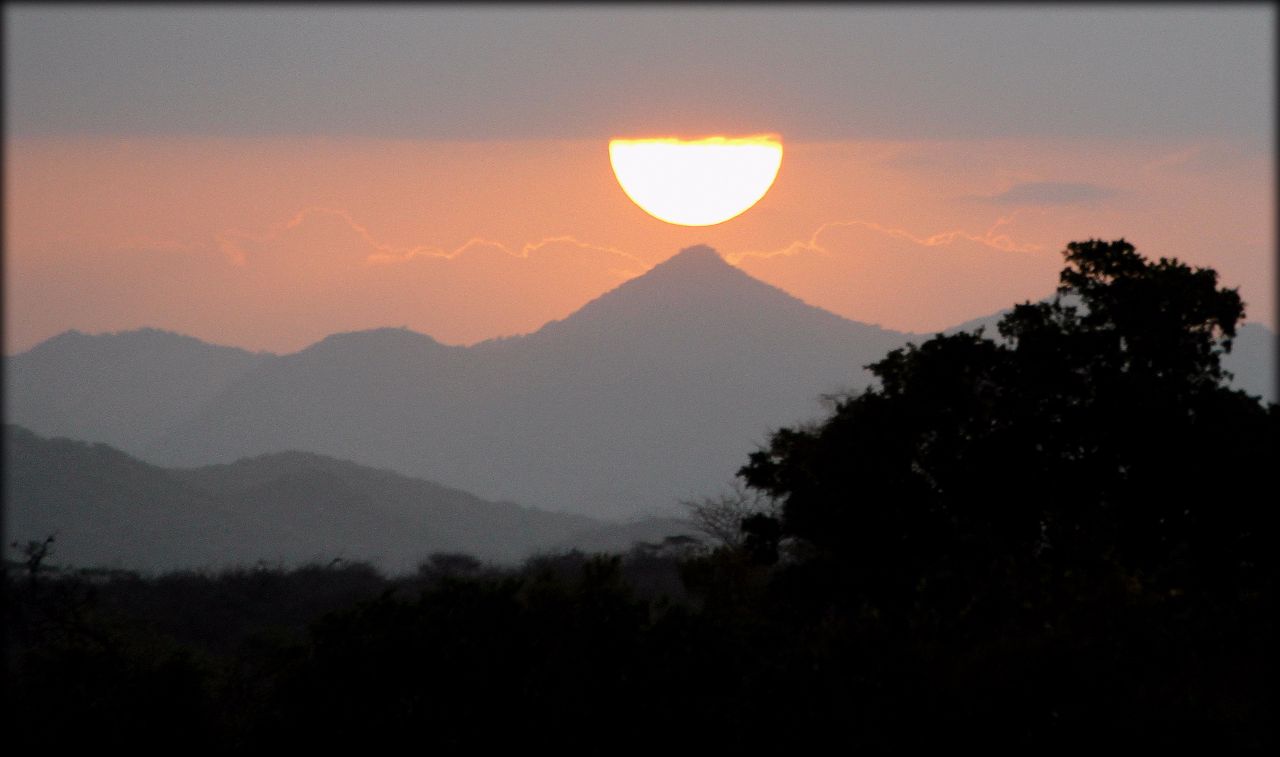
[109, 509]
[118, 388]
[653, 392]
[1252, 361]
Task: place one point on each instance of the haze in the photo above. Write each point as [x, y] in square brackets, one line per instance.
[350, 400]
[264, 178]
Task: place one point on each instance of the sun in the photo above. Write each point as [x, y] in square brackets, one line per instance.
[697, 182]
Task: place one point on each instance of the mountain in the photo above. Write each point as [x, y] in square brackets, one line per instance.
[655, 391]
[1252, 361]
[111, 510]
[118, 388]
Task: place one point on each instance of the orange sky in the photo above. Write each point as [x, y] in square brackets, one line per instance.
[273, 243]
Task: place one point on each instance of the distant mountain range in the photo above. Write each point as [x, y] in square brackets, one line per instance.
[655, 391]
[108, 509]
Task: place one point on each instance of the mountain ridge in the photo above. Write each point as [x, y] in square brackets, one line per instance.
[109, 509]
[698, 259]
[653, 392]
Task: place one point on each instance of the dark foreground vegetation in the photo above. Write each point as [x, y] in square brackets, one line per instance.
[1062, 537]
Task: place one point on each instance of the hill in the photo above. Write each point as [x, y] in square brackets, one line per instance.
[111, 510]
[118, 388]
[654, 392]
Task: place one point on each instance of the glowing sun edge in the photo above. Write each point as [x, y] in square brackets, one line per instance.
[697, 182]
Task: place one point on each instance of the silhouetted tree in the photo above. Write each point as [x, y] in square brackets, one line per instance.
[1100, 427]
[1060, 536]
[720, 517]
[34, 553]
[442, 564]
[1073, 520]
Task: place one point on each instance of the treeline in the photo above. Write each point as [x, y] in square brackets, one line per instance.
[1059, 539]
[651, 649]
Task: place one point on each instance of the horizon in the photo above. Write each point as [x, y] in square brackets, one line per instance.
[697, 248]
[392, 373]
[191, 169]
[501, 337]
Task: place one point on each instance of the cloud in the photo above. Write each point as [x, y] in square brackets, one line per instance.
[316, 272]
[902, 280]
[329, 229]
[1048, 193]
[339, 275]
[1174, 159]
[1208, 157]
[813, 244]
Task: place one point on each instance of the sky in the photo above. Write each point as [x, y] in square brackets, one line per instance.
[264, 177]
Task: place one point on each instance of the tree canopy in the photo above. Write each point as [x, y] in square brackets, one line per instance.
[1098, 430]
[1060, 536]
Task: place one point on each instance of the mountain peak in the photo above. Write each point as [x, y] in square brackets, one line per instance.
[699, 257]
[694, 269]
[128, 342]
[385, 334]
[686, 294]
[698, 252]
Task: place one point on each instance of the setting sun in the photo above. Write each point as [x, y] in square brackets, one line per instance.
[697, 182]
[349, 379]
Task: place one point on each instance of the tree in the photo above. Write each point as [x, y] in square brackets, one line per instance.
[34, 553]
[720, 517]
[1098, 430]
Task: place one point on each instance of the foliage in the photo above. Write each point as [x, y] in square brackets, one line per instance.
[1098, 431]
[720, 517]
[34, 553]
[1057, 537]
